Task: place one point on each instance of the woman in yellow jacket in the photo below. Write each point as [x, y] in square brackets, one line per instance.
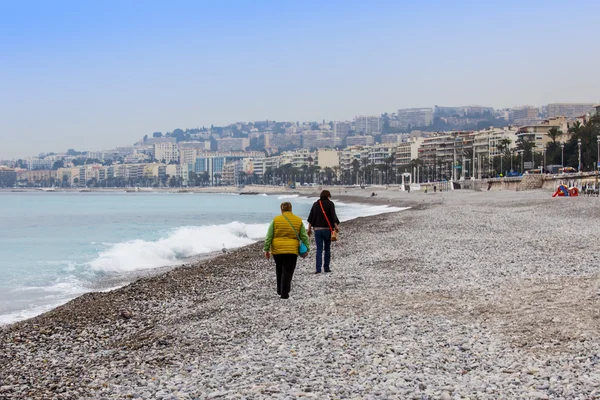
[283, 239]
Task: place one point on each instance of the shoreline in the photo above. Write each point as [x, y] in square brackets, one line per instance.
[450, 299]
[116, 281]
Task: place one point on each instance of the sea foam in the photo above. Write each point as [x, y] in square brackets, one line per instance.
[180, 243]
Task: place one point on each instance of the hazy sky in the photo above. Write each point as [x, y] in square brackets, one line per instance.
[99, 74]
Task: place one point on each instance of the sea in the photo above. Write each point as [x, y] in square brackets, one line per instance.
[55, 246]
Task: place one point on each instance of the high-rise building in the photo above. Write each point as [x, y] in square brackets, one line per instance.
[341, 129]
[524, 115]
[232, 144]
[414, 117]
[367, 124]
[167, 151]
[569, 110]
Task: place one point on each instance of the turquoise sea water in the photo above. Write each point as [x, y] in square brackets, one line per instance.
[55, 246]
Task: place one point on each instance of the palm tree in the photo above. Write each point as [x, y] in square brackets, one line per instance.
[388, 163]
[355, 169]
[575, 130]
[586, 133]
[554, 133]
[553, 148]
[503, 148]
[364, 167]
[336, 172]
[526, 146]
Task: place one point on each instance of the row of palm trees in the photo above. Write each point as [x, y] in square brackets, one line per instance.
[565, 152]
[584, 137]
[362, 171]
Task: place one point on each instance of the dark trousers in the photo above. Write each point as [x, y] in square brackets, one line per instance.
[285, 264]
[323, 241]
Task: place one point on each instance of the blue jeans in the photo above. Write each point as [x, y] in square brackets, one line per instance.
[323, 237]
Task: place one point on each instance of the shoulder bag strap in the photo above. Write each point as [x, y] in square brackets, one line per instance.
[325, 214]
[290, 222]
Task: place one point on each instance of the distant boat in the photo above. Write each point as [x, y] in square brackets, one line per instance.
[249, 193]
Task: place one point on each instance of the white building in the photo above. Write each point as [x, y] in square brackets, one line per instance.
[38, 163]
[414, 117]
[326, 158]
[569, 110]
[367, 124]
[166, 152]
[232, 144]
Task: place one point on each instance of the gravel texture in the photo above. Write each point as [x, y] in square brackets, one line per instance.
[467, 295]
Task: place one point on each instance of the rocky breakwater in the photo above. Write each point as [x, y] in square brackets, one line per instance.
[474, 295]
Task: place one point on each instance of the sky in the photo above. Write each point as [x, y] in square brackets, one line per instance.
[94, 75]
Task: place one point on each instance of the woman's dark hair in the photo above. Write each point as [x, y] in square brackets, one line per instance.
[325, 194]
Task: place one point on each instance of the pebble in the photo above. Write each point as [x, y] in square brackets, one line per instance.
[450, 300]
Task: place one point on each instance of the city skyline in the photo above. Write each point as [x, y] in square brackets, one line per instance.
[356, 120]
[95, 76]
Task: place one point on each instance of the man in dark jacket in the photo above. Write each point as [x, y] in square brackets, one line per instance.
[322, 219]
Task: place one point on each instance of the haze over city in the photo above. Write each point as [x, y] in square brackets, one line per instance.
[103, 74]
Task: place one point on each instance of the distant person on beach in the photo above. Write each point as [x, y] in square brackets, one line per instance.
[282, 242]
[323, 219]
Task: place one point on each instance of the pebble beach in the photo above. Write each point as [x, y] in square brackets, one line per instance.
[466, 295]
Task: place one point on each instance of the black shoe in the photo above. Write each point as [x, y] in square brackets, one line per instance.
[327, 271]
[318, 272]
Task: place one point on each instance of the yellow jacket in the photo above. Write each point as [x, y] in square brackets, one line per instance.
[281, 238]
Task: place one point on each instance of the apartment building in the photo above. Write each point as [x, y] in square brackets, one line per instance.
[179, 170]
[311, 139]
[349, 154]
[414, 117]
[537, 134]
[326, 158]
[35, 176]
[367, 140]
[166, 152]
[367, 124]
[288, 140]
[407, 151]
[341, 129]
[379, 154]
[444, 153]
[188, 155]
[34, 163]
[213, 163]
[95, 155]
[391, 138]
[136, 158]
[8, 176]
[232, 144]
[233, 173]
[228, 174]
[569, 110]
[524, 115]
[260, 164]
